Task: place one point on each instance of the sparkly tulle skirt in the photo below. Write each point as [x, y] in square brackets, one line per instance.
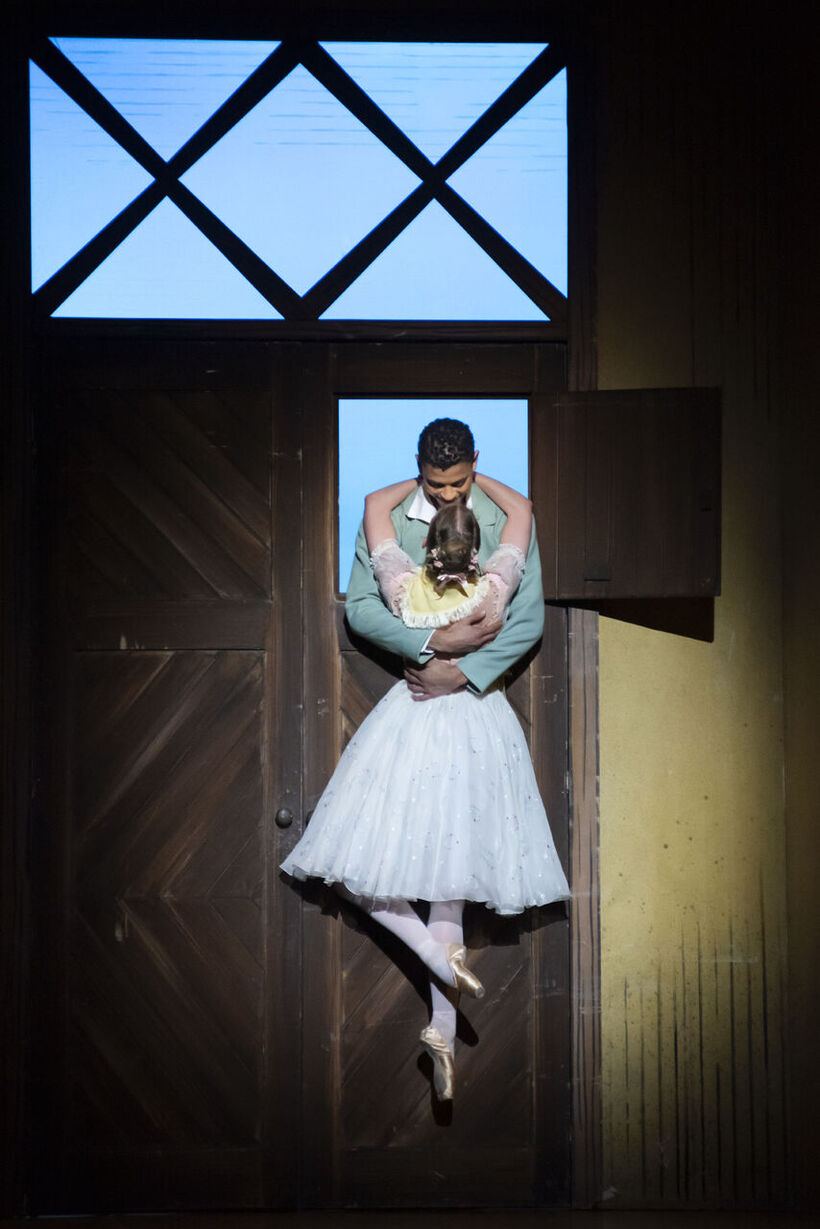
[435, 800]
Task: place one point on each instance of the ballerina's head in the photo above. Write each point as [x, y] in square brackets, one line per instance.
[453, 540]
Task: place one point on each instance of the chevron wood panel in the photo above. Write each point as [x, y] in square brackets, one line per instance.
[168, 495]
[386, 1095]
[168, 1074]
[166, 932]
[364, 682]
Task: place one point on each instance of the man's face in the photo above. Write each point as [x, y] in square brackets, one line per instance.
[447, 486]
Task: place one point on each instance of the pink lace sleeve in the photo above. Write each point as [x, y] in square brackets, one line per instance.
[504, 570]
[391, 566]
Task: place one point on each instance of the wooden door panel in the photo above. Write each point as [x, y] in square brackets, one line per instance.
[382, 1061]
[363, 683]
[158, 506]
[630, 481]
[165, 943]
[155, 870]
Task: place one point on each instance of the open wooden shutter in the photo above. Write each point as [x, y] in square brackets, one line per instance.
[627, 493]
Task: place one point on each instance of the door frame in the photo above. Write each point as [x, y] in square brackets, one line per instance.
[384, 369]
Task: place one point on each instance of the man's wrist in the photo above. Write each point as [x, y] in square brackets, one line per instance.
[427, 650]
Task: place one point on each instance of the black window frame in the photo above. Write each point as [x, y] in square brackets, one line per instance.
[300, 312]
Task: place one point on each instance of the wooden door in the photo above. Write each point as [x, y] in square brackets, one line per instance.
[167, 1064]
[207, 1035]
[380, 1139]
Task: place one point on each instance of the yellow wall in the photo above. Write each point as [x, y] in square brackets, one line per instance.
[693, 839]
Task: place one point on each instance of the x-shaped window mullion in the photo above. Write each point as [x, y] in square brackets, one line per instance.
[433, 185]
[275, 290]
[166, 179]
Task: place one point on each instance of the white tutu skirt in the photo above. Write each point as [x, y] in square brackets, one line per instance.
[435, 800]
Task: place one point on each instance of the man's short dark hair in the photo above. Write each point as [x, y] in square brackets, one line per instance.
[446, 442]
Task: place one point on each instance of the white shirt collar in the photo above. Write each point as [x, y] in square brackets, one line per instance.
[422, 510]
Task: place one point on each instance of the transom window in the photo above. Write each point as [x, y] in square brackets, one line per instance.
[299, 181]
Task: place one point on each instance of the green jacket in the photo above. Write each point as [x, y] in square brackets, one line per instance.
[369, 617]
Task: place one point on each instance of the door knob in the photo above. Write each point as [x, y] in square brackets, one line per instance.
[283, 817]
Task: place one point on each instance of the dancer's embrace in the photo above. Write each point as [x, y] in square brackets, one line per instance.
[435, 798]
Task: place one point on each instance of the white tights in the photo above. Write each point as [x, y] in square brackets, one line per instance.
[428, 942]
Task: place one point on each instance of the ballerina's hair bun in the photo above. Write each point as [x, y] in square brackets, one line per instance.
[453, 540]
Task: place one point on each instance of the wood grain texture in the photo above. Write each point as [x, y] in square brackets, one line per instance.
[284, 786]
[158, 507]
[554, 1054]
[309, 378]
[511, 369]
[166, 889]
[586, 945]
[637, 491]
[156, 624]
[154, 874]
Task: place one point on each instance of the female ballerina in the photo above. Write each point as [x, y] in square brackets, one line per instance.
[437, 801]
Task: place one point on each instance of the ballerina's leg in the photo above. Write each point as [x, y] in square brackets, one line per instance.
[445, 925]
[446, 960]
[439, 1037]
[401, 919]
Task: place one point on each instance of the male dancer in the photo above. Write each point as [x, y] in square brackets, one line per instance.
[447, 460]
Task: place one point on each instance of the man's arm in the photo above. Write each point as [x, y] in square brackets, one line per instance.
[524, 626]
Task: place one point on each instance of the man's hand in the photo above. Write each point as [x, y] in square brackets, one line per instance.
[465, 634]
[435, 678]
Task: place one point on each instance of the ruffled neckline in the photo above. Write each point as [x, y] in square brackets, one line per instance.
[422, 607]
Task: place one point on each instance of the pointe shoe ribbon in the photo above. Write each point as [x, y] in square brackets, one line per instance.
[465, 981]
[444, 1072]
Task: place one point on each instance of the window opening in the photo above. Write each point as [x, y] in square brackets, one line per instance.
[378, 438]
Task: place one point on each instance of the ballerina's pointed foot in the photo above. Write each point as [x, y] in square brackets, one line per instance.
[444, 1072]
[465, 981]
